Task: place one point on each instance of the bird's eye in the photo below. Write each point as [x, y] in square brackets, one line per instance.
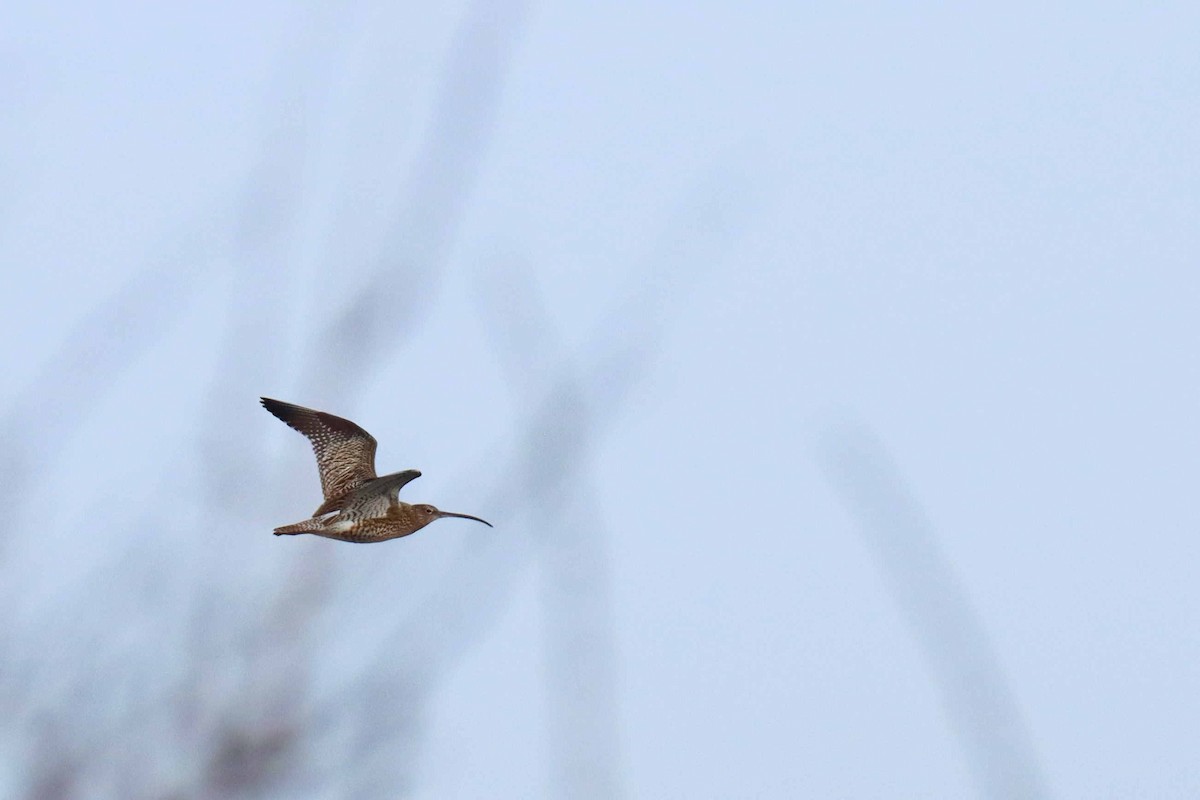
[429, 511]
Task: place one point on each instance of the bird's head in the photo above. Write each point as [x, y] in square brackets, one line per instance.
[426, 514]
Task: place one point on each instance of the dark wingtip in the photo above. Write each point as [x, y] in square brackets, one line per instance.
[284, 412]
[276, 407]
[306, 419]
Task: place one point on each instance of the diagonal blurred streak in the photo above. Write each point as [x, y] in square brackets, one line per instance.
[387, 307]
[981, 706]
[89, 363]
[262, 253]
[572, 544]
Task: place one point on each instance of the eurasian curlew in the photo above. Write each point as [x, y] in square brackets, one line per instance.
[358, 506]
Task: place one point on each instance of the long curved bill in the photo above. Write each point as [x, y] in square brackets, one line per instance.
[464, 516]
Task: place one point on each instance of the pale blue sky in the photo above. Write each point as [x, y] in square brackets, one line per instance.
[970, 231]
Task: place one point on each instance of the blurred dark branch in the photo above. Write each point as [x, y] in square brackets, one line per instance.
[982, 709]
[260, 735]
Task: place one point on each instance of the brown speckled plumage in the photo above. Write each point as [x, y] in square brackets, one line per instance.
[345, 452]
[368, 507]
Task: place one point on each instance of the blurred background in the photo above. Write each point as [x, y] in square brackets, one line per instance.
[829, 375]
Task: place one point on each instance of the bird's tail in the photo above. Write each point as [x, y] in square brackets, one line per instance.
[307, 526]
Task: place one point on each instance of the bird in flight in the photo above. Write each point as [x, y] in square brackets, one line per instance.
[358, 505]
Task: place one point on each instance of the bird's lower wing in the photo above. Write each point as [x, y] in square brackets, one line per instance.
[386, 486]
[373, 498]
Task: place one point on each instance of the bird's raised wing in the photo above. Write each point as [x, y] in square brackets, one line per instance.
[374, 497]
[345, 452]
